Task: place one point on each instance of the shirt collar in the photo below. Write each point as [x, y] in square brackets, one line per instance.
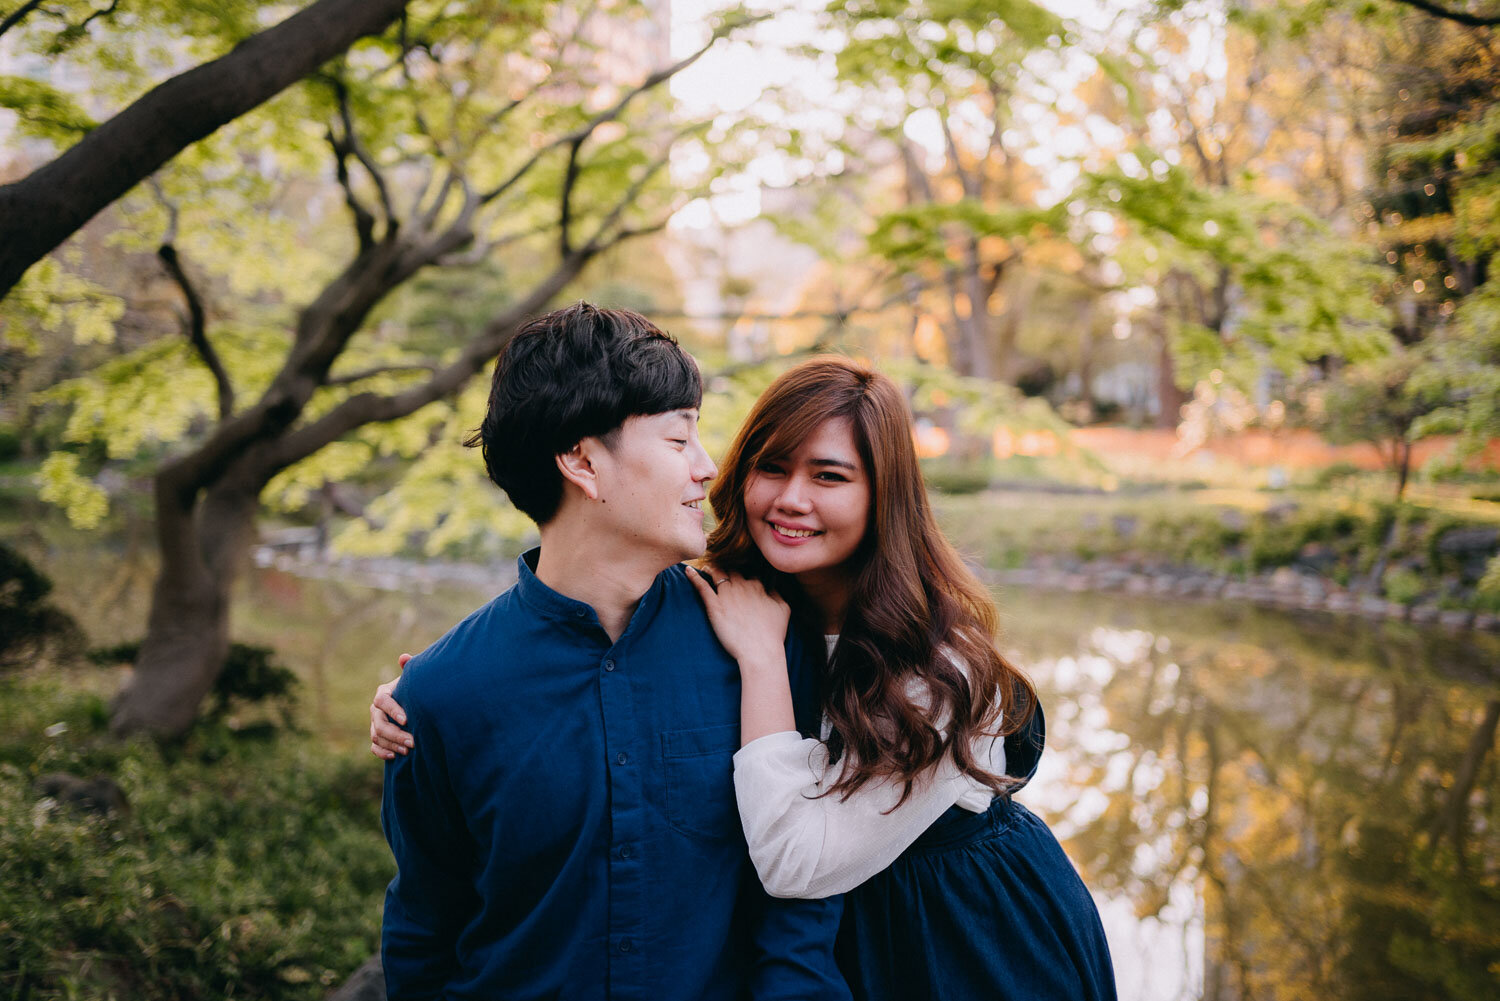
[559, 606]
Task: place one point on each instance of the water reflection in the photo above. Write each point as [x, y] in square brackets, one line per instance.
[1290, 808]
[1269, 807]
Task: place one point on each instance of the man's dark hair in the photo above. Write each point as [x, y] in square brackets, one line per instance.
[571, 374]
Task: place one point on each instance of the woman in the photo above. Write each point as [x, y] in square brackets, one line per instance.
[953, 890]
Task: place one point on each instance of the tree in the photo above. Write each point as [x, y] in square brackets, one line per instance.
[968, 212]
[51, 203]
[449, 148]
[1383, 402]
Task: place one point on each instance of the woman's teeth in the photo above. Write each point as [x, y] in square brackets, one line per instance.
[793, 533]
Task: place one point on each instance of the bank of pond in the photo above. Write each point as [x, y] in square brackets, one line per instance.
[1265, 804]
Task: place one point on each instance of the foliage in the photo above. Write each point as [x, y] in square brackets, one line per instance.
[1329, 538]
[244, 868]
[1384, 402]
[29, 625]
[250, 677]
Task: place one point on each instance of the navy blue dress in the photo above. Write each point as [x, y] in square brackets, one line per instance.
[980, 906]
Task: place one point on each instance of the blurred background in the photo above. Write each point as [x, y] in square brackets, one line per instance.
[1192, 299]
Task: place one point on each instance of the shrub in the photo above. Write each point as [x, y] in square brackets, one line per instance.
[258, 875]
[29, 626]
[250, 676]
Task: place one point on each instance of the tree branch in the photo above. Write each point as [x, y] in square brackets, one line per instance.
[565, 211]
[367, 408]
[51, 203]
[195, 326]
[353, 145]
[16, 16]
[579, 135]
[369, 373]
[634, 191]
[1462, 17]
[364, 219]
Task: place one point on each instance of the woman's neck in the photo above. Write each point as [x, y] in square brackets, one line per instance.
[829, 592]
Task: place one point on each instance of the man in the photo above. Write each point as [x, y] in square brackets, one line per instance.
[565, 826]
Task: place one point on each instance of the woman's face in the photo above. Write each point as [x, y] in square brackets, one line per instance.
[808, 510]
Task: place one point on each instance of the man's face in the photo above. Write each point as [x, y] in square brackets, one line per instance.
[651, 484]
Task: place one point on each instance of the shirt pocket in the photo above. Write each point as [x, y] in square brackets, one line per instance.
[699, 767]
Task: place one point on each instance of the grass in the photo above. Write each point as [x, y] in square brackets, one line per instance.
[1337, 534]
[245, 867]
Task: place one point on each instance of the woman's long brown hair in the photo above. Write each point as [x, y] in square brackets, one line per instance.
[913, 601]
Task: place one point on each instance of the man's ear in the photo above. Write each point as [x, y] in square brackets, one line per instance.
[577, 467]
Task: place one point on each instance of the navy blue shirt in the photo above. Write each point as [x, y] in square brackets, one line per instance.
[566, 828]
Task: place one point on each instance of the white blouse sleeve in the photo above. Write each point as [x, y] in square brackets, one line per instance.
[806, 845]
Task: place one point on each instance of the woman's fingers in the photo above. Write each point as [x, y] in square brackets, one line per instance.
[386, 703]
[702, 581]
[387, 739]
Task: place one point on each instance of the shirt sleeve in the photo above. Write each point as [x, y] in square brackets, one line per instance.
[792, 947]
[806, 844]
[432, 896]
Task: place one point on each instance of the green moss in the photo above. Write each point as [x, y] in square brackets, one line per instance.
[244, 868]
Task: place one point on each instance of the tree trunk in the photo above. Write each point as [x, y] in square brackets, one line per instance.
[203, 541]
[47, 206]
[1169, 396]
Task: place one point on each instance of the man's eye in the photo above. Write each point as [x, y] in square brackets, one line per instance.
[678, 441]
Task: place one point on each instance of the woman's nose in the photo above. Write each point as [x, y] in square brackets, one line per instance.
[794, 496]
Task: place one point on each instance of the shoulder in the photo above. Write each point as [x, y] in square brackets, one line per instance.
[446, 670]
[679, 597]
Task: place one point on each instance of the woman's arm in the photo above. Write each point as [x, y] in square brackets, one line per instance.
[387, 738]
[805, 844]
[751, 624]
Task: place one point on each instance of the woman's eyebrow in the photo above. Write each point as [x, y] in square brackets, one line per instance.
[840, 463]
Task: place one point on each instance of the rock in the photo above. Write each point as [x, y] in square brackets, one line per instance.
[1286, 579]
[1233, 519]
[365, 984]
[99, 795]
[1281, 510]
[1469, 540]
[1424, 613]
[1489, 623]
[1340, 603]
[1317, 557]
[1455, 619]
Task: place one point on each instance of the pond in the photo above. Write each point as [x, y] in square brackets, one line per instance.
[1266, 806]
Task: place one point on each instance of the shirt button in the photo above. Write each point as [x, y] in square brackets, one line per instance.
[621, 758]
[626, 945]
[625, 851]
[609, 665]
[579, 613]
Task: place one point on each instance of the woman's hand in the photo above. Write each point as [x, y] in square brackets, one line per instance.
[387, 739]
[750, 621]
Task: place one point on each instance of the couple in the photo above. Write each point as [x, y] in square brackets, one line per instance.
[590, 754]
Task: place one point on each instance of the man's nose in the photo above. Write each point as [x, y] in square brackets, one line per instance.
[704, 468]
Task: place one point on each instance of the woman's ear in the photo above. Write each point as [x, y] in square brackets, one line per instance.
[577, 468]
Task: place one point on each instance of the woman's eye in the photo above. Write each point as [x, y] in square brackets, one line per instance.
[832, 478]
[769, 468]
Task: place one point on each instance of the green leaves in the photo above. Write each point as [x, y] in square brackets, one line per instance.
[916, 234]
[61, 483]
[52, 301]
[43, 111]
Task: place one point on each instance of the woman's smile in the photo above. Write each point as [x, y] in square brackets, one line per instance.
[808, 510]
